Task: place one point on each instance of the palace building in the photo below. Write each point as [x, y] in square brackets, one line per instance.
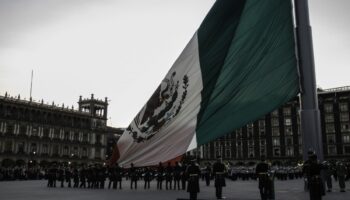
[38, 133]
[277, 134]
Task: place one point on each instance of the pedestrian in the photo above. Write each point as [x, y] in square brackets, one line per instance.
[133, 176]
[193, 173]
[177, 175]
[147, 177]
[160, 174]
[168, 176]
[219, 170]
[261, 171]
[341, 173]
[313, 173]
[207, 173]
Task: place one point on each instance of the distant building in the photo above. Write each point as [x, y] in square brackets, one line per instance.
[37, 133]
[277, 134]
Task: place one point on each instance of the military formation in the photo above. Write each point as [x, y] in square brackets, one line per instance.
[319, 177]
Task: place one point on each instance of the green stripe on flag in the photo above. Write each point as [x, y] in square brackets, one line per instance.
[248, 63]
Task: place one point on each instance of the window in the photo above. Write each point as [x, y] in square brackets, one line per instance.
[228, 153]
[85, 137]
[8, 146]
[56, 133]
[331, 139]
[23, 129]
[55, 150]
[347, 149]
[275, 113]
[328, 108]
[276, 142]
[346, 138]
[330, 128]
[290, 151]
[21, 147]
[65, 150]
[344, 117]
[288, 131]
[329, 118]
[289, 141]
[332, 150]
[286, 111]
[262, 151]
[33, 148]
[76, 136]
[275, 131]
[262, 142]
[344, 127]
[288, 121]
[45, 149]
[274, 122]
[251, 152]
[262, 124]
[66, 135]
[84, 152]
[276, 151]
[35, 131]
[343, 107]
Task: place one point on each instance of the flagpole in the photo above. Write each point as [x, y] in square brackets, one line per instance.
[309, 111]
[31, 85]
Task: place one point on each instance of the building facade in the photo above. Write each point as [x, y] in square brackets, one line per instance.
[37, 133]
[277, 134]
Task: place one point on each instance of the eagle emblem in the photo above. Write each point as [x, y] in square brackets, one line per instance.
[164, 105]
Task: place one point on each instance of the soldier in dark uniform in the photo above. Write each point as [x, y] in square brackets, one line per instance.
[262, 173]
[207, 174]
[219, 171]
[147, 177]
[101, 177]
[61, 175]
[160, 172]
[82, 176]
[75, 177]
[177, 176]
[312, 169]
[133, 176]
[52, 176]
[168, 176]
[111, 176]
[193, 173]
[68, 176]
[118, 176]
[183, 176]
[341, 173]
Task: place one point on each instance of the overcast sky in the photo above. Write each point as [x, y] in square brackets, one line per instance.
[122, 49]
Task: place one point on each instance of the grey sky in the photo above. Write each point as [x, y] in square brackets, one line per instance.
[123, 48]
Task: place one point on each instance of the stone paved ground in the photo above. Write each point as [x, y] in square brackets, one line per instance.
[235, 190]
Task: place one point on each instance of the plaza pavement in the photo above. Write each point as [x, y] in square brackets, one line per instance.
[235, 190]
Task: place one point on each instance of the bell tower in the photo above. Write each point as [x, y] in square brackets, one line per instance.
[95, 107]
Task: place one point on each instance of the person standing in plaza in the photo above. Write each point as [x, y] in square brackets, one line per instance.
[133, 176]
[168, 176]
[219, 171]
[341, 173]
[118, 176]
[207, 174]
[147, 177]
[261, 171]
[160, 171]
[312, 169]
[177, 176]
[193, 172]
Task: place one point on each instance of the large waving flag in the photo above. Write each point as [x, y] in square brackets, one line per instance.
[239, 65]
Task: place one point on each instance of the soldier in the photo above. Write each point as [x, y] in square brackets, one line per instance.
[118, 176]
[168, 176]
[111, 176]
[101, 176]
[68, 176]
[177, 176]
[83, 174]
[312, 170]
[133, 176]
[147, 177]
[193, 173]
[183, 176]
[76, 178]
[262, 173]
[207, 173]
[341, 173]
[328, 175]
[61, 175]
[160, 172]
[219, 171]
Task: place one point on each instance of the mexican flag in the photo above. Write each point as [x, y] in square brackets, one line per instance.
[239, 65]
